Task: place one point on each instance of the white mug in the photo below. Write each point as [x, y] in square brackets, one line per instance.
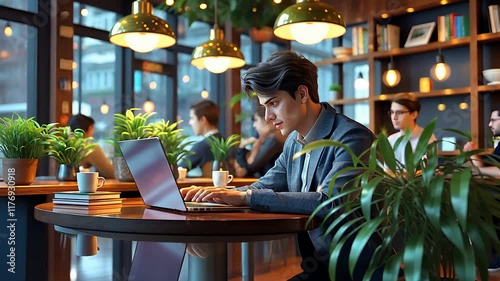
[89, 181]
[182, 173]
[221, 178]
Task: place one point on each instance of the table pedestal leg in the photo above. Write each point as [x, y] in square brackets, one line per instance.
[122, 259]
[211, 268]
[247, 266]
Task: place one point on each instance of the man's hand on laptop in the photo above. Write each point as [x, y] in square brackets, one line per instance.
[213, 194]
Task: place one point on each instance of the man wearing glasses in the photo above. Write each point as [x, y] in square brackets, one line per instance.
[404, 113]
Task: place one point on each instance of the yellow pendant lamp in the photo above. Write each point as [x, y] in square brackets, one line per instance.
[217, 55]
[141, 31]
[309, 22]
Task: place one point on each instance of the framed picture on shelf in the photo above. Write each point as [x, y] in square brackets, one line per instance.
[420, 34]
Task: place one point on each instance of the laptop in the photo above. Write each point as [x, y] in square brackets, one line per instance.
[153, 176]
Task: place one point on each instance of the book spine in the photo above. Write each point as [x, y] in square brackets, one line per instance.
[491, 17]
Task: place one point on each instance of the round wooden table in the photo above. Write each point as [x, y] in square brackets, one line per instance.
[137, 222]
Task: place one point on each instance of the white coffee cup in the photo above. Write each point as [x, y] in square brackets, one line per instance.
[89, 181]
[221, 178]
[182, 173]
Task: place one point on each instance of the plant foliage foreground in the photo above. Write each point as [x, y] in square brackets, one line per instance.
[434, 215]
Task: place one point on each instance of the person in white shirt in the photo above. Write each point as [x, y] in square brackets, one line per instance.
[404, 113]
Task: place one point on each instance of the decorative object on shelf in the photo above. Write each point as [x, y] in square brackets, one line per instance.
[440, 71]
[69, 149]
[23, 142]
[420, 34]
[220, 148]
[441, 106]
[424, 84]
[217, 55]
[391, 76]
[309, 22]
[492, 76]
[433, 215]
[342, 52]
[336, 91]
[141, 31]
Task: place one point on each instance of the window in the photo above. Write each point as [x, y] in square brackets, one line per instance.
[89, 16]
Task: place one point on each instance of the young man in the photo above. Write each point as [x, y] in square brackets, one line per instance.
[203, 118]
[494, 125]
[286, 86]
[404, 113]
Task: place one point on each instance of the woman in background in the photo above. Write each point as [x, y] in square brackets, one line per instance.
[97, 158]
[265, 149]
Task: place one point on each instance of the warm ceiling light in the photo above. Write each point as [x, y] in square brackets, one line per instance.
[152, 85]
[443, 2]
[384, 16]
[7, 30]
[360, 83]
[169, 2]
[205, 94]
[74, 65]
[410, 10]
[148, 106]
[4, 54]
[441, 107]
[217, 55]
[203, 6]
[391, 76]
[277, 1]
[463, 105]
[74, 84]
[440, 71]
[141, 31]
[186, 78]
[104, 108]
[308, 22]
[84, 12]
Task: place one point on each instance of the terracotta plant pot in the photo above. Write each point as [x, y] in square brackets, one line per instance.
[19, 171]
[262, 35]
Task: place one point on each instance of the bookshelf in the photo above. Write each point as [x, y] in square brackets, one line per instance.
[467, 57]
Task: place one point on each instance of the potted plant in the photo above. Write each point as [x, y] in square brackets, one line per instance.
[220, 148]
[69, 148]
[128, 126]
[336, 90]
[174, 143]
[22, 142]
[434, 215]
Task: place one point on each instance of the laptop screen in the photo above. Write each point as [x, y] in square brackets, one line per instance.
[152, 173]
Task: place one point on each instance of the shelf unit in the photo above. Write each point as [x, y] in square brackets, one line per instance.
[466, 56]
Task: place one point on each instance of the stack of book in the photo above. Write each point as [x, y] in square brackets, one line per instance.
[100, 202]
[452, 26]
[387, 37]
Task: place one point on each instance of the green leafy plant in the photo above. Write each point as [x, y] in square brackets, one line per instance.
[436, 220]
[238, 98]
[173, 141]
[24, 138]
[70, 148]
[242, 14]
[335, 87]
[131, 126]
[220, 146]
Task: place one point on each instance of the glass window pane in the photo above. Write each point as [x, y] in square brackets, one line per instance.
[150, 93]
[193, 35]
[93, 17]
[15, 65]
[248, 48]
[94, 84]
[25, 5]
[269, 48]
[190, 86]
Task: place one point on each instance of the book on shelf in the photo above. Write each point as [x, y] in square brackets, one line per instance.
[86, 195]
[88, 210]
[451, 26]
[387, 37]
[494, 18]
[359, 40]
[87, 202]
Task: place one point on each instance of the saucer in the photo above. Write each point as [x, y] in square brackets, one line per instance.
[494, 83]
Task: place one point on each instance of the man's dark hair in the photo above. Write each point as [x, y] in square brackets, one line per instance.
[208, 109]
[80, 121]
[497, 109]
[407, 100]
[282, 71]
